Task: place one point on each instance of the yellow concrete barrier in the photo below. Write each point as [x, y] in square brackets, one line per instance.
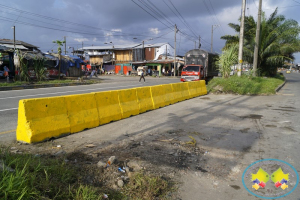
[158, 96]
[168, 94]
[128, 102]
[144, 99]
[41, 119]
[203, 87]
[193, 88]
[181, 91]
[82, 112]
[108, 105]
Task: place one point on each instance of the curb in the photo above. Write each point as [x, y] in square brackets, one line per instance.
[279, 87]
[22, 87]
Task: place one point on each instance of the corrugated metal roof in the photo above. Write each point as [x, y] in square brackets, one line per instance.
[12, 46]
[110, 47]
[8, 41]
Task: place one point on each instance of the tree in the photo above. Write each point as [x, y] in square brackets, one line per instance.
[279, 40]
[228, 58]
[59, 44]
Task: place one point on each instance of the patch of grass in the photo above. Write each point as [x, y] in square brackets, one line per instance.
[47, 177]
[146, 187]
[245, 85]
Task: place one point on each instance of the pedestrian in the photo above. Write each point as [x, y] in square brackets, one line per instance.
[6, 75]
[142, 76]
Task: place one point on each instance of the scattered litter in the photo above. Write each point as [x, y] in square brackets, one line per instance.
[111, 160]
[105, 196]
[192, 142]
[206, 152]
[121, 170]
[90, 145]
[169, 140]
[58, 146]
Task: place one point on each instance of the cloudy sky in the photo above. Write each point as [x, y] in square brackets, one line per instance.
[95, 22]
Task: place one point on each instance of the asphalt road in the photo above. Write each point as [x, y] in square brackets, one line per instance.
[234, 130]
[9, 99]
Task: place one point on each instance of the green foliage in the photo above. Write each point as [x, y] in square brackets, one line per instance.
[59, 44]
[39, 68]
[279, 40]
[23, 67]
[245, 85]
[145, 187]
[228, 58]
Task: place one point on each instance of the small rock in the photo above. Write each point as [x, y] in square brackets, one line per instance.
[133, 164]
[120, 183]
[223, 164]
[101, 164]
[115, 187]
[216, 183]
[13, 148]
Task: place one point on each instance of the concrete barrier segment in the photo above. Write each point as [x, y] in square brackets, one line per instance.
[144, 99]
[169, 95]
[108, 105]
[158, 96]
[193, 89]
[82, 112]
[128, 102]
[203, 87]
[41, 119]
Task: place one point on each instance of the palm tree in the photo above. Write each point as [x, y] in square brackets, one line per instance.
[59, 44]
[279, 40]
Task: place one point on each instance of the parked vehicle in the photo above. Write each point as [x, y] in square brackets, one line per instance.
[199, 65]
[141, 68]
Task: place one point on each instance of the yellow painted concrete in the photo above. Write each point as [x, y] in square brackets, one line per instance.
[108, 105]
[144, 99]
[43, 118]
[82, 112]
[128, 102]
[158, 95]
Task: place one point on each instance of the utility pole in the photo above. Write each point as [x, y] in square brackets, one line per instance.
[175, 52]
[65, 46]
[143, 52]
[14, 27]
[199, 42]
[241, 42]
[257, 39]
[212, 37]
[195, 44]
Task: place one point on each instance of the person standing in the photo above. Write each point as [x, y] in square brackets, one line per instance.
[142, 76]
[6, 74]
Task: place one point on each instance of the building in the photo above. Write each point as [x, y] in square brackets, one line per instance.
[124, 59]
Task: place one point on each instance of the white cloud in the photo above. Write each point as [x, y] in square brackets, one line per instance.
[81, 39]
[154, 30]
[116, 30]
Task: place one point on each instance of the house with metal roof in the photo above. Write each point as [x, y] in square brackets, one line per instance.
[126, 58]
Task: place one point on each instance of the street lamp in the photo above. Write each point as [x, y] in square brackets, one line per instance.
[113, 47]
[73, 49]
